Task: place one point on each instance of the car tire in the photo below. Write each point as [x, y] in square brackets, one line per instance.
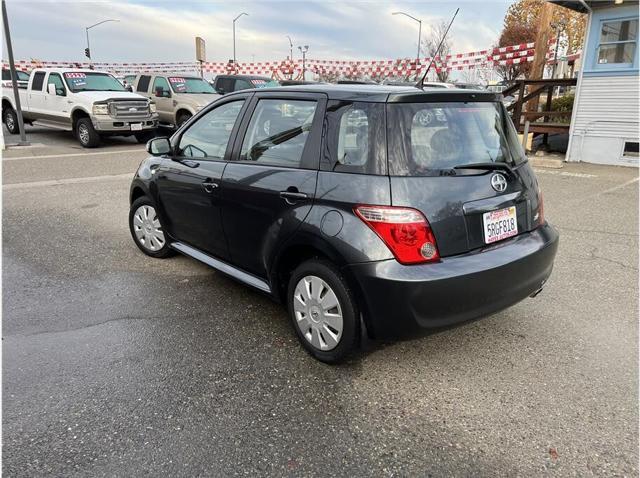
[86, 133]
[145, 136]
[146, 230]
[182, 119]
[10, 120]
[323, 311]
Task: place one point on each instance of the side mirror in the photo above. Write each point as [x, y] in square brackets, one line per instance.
[159, 146]
[51, 89]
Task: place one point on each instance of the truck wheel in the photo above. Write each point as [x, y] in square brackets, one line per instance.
[10, 119]
[323, 311]
[145, 136]
[86, 133]
[183, 118]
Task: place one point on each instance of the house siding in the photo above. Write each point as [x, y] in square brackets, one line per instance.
[605, 113]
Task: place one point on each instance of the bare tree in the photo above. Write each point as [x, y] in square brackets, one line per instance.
[430, 47]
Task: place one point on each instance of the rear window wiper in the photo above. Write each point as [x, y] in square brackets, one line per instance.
[488, 166]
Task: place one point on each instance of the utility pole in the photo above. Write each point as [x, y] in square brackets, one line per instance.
[234, 38]
[304, 51]
[419, 36]
[14, 76]
[542, 41]
[290, 56]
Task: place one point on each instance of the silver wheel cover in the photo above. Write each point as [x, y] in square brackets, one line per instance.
[9, 121]
[318, 314]
[147, 228]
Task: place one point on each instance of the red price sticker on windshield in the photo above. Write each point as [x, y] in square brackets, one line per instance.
[257, 81]
[75, 75]
[176, 80]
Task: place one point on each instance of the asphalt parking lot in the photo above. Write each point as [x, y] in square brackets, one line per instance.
[115, 364]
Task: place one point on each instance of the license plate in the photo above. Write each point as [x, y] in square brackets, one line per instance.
[500, 224]
[136, 126]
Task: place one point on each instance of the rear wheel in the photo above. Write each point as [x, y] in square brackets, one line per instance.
[146, 230]
[323, 310]
[10, 119]
[86, 133]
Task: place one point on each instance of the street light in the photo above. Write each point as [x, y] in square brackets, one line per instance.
[304, 51]
[419, 35]
[290, 56]
[234, 37]
[88, 50]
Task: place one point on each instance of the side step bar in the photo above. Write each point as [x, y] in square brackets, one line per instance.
[234, 272]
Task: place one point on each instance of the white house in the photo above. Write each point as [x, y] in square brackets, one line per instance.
[604, 123]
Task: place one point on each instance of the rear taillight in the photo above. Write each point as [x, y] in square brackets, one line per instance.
[540, 208]
[404, 230]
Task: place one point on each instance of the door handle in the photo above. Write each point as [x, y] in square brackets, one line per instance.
[291, 197]
[209, 186]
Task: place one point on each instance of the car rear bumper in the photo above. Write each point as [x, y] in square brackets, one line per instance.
[401, 300]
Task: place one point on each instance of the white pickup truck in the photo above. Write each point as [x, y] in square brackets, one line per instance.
[89, 103]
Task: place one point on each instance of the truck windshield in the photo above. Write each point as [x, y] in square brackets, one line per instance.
[427, 138]
[181, 84]
[84, 81]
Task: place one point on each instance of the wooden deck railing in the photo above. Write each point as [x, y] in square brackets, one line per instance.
[527, 106]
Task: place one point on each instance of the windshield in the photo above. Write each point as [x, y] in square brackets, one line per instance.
[83, 81]
[427, 138]
[190, 85]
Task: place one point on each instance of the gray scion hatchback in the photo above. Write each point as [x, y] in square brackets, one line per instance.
[360, 207]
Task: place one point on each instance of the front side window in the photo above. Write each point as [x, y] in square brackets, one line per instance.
[38, 81]
[618, 42]
[241, 85]
[354, 139]
[427, 138]
[161, 87]
[278, 132]
[209, 136]
[54, 79]
[83, 81]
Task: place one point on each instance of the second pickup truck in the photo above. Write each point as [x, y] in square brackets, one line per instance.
[90, 103]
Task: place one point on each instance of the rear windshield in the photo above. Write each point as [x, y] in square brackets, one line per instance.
[426, 138]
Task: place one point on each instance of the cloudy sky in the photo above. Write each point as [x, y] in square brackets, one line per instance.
[165, 30]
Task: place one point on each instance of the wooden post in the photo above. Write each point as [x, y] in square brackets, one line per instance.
[542, 47]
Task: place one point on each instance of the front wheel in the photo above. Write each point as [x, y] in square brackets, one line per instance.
[323, 311]
[146, 230]
[10, 119]
[145, 136]
[86, 133]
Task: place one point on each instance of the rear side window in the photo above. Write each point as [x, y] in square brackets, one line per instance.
[38, 81]
[143, 84]
[355, 138]
[278, 132]
[427, 138]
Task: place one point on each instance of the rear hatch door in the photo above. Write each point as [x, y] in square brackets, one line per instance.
[459, 162]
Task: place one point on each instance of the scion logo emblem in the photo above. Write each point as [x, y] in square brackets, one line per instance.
[499, 182]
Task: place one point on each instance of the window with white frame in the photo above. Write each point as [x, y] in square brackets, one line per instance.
[618, 40]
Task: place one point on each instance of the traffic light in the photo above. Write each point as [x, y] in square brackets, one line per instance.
[87, 53]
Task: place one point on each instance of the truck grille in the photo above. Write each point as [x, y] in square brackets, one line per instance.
[129, 109]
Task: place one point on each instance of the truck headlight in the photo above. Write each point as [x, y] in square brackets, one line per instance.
[152, 107]
[100, 109]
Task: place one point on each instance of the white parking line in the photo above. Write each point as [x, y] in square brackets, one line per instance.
[555, 172]
[59, 182]
[68, 155]
[620, 186]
